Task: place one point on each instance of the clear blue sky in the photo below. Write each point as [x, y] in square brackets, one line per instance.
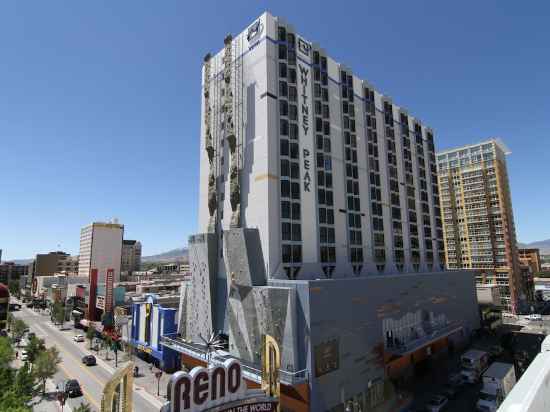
[99, 101]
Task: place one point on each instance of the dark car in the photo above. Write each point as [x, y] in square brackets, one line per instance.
[72, 388]
[89, 360]
[30, 305]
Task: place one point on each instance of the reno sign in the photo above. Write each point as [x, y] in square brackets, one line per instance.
[217, 388]
[221, 387]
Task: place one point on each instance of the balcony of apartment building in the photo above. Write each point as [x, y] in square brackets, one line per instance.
[409, 338]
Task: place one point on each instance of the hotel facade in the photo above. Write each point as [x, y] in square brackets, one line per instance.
[316, 192]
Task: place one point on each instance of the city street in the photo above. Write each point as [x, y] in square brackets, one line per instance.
[92, 379]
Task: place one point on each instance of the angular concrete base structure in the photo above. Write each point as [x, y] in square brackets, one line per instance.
[345, 336]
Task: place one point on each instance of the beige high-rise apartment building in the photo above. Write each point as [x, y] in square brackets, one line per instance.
[131, 256]
[101, 249]
[478, 222]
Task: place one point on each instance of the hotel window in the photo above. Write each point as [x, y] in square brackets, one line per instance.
[282, 70]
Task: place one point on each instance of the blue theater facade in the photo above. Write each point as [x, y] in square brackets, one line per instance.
[150, 321]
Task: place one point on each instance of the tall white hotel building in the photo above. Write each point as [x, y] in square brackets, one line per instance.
[339, 180]
[316, 192]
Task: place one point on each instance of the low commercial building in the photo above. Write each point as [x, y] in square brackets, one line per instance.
[151, 321]
[488, 294]
[4, 305]
[531, 258]
[48, 264]
[131, 256]
[542, 287]
[12, 271]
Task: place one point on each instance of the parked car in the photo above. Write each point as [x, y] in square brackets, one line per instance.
[437, 403]
[72, 388]
[24, 355]
[534, 317]
[79, 338]
[89, 360]
[30, 305]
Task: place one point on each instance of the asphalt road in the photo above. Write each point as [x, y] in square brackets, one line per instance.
[92, 379]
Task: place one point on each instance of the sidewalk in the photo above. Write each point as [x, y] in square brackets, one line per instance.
[49, 402]
[146, 381]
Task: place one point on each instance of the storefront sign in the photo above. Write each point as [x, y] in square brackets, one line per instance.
[100, 302]
[144, 349]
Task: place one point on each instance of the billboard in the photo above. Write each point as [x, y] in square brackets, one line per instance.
[92, 295]
[327, 357]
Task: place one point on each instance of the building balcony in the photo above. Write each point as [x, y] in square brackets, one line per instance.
[250, 372]
[431, 333]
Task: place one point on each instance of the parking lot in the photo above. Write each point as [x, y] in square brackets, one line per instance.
[437, 374]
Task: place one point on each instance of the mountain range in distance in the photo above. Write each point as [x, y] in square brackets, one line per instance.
[174, 255]
[542, 245]
[182, 254]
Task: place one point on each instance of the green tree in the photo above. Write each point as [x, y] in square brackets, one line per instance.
[6, 352]
[13, 287]
[83, 407]
[10, 401]
[58, 313]
[18, 328]
[90, 334]
[10, 319]
[24, 383]
[107, 344]
[45, 366]
[34, 347]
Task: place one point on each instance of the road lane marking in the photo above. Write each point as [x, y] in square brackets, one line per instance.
[139, 391]
[86, 394]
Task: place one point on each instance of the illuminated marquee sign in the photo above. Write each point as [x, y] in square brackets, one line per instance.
[216, 389]
[203, 388]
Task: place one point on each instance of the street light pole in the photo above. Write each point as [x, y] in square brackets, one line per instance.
[158, 375]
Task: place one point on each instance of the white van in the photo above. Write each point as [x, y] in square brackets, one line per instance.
[498, 381]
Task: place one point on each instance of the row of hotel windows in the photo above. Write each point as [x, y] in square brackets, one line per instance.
[291, 169]
[291, 228]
